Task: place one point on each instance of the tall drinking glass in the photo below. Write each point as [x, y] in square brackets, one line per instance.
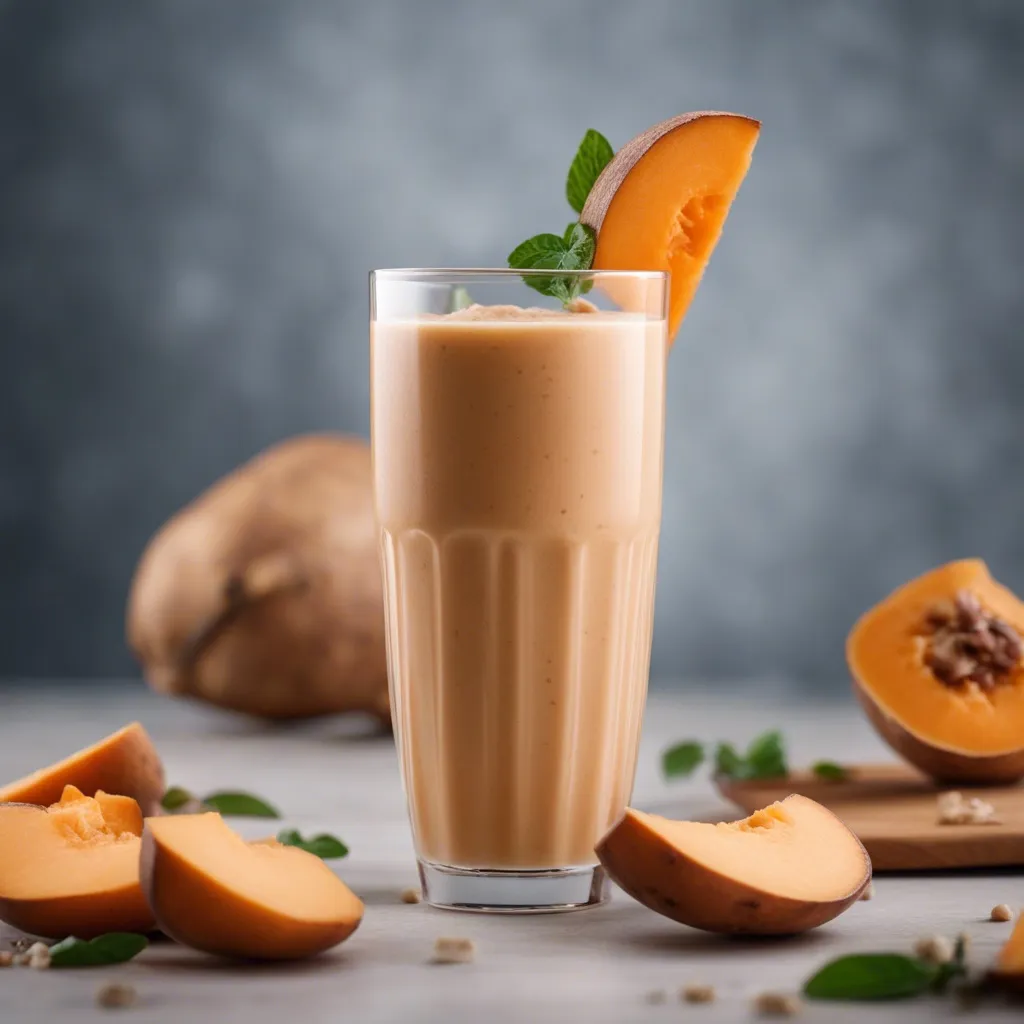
[517, 470]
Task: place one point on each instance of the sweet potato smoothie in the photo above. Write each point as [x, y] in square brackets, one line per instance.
[518, 464]
[517, 473]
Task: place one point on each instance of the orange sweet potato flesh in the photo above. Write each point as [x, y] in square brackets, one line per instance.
[1009, 969]
[211, 890]
[126, 762]
[72, 868]
[787, 868]
[661, 202]
[955, 734]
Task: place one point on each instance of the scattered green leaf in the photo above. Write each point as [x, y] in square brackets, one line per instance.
[231, 804]
[325, 846]
[872, 976]
[766, 757]
[240, 805]
[682, 759]
[728, 761]
[112, 948]
[829, 771]
[175, 798]
[593, 155]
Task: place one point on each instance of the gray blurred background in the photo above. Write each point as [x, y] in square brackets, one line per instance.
[192, 193]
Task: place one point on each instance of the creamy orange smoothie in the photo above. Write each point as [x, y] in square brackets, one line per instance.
[518, 468]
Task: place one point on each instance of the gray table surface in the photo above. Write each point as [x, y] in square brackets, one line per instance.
[598, 965]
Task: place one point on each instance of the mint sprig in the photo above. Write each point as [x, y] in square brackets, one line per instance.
[765, 758]
[593, 155]
[574, 248]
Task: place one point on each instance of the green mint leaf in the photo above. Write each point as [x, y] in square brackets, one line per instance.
[573, 250]
[459, 299]
[112, 948]
[240, 805]
[540, 251]
[583, 239]
[176, 798]
[766, 757]
[232, 804]
[594, 153]
[728, 761]
[324, 846]
[872, 976]
[581, 242]
[682, 759]
[544, 252]
[828, 771]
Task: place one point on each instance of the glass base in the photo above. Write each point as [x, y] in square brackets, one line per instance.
[513, 892]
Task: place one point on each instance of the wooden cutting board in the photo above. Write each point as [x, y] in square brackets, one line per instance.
[892, 809]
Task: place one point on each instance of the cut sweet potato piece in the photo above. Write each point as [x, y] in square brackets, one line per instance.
[1009, 969]
[939, 668]
[119, 814]
[126, 762]
[72, 868]
[787, 868]
[211, 890]
[661, 202]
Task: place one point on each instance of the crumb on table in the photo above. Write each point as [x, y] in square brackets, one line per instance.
[955, 809]
[454, 950]
[777, 1004]
[936, 949]
[115, 996]
[697, 993]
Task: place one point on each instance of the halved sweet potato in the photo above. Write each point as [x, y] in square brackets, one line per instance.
[213, 891]
[126, 762]
[72, 868]
[661, 202]
[787, 868]
[939, 668]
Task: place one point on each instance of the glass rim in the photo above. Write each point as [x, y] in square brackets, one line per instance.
[438, 273]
